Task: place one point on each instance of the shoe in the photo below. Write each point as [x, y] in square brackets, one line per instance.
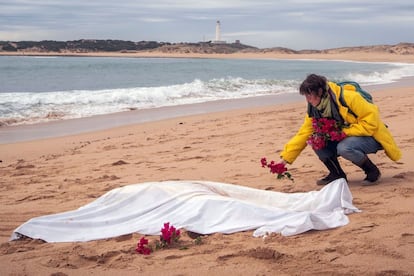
[372, 172]
[335, 171]
[371, 181]
[329, 178]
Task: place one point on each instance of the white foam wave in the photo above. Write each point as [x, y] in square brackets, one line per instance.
[24, 108]
[381, 77]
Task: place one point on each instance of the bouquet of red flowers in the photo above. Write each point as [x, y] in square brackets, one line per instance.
[276, 168]
[325, 130]
[169, 236]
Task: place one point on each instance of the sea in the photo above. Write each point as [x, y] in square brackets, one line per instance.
[36, 89]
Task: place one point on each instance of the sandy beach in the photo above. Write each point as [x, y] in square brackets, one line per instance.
[335, 55]
[58, 174]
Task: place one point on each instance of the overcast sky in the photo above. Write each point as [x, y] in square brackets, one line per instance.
[295, 24]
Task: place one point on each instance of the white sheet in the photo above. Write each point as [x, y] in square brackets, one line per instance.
[199, 206]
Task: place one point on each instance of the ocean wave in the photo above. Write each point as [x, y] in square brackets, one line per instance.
[29, 108]
[264, 78]
[401, 70]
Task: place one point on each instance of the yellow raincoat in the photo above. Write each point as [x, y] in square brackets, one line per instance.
[368, 123]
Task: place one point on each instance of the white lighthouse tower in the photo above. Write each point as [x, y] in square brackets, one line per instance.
[218, 34]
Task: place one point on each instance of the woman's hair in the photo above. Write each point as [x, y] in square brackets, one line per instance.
[312, 84]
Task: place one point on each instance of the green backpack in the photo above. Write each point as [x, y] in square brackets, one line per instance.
[353, 86]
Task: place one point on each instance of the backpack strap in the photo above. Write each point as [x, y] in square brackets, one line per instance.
[334, 107]
[342, 101]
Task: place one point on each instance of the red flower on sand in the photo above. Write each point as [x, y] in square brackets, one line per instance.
[142, 247]
[169, 235]
[276, 168]
[325, 130]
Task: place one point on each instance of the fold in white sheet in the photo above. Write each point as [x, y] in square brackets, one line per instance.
[199, 206]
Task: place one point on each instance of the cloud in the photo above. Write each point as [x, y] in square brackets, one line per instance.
[297, 24]
[16, 33]
[155, 19]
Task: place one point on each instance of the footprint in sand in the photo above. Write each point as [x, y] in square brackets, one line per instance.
[119, 162]
[363, 229]
[28, 166]
[264, 253]
[405, 175]
[406, 238]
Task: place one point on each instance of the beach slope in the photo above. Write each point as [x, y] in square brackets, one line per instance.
[60, 174]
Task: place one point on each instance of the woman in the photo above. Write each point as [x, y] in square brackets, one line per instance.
[363, 132]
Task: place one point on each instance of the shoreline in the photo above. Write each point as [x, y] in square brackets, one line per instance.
[343, 56]
[60, 128]
[52, 129]
[27, 132]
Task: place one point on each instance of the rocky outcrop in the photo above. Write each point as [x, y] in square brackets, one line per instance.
[79, 46]
[204, 48]
[93, 46]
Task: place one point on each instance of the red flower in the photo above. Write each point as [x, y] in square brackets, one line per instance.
[276, 168]
[337, 136]
[317, 141]
[264, 162]
[142, 247]
[169, 234]
[325, 130]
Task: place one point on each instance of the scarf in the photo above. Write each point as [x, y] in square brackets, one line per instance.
[324, 107]
[327, 108]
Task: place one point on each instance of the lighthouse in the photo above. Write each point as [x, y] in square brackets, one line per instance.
[218, 34]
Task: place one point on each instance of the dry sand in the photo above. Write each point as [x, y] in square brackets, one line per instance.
[350, 54]
[59, 174]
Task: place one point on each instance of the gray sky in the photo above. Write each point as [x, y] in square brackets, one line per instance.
[295, 24]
